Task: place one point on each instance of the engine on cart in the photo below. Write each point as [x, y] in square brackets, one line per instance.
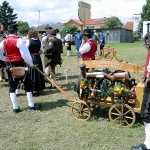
[102, 83]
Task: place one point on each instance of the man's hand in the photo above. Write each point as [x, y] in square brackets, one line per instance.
[33, 66]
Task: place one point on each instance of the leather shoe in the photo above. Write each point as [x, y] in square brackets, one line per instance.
[16, 110]
[35, 107]
[139, 147]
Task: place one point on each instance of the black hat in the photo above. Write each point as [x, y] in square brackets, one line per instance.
[48, 27]
[88, 32]
[57, 30]
[52, 32]
[1, 32]
[12, 27]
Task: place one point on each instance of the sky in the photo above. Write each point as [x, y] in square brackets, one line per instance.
[38, 12]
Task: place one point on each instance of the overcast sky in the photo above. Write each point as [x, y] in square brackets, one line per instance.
[53, 11]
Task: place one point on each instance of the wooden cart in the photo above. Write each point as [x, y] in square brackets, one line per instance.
[98, 87]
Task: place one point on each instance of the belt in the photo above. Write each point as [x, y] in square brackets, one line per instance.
[35, 53]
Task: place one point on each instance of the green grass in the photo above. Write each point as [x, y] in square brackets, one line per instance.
[54, 127]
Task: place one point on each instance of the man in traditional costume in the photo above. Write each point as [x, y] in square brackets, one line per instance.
[145, 108]
[52, 54]
[88, 46]
[17, 54]
[68, 39]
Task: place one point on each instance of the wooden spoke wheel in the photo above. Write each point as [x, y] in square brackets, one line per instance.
[122, 115]
[81, 110]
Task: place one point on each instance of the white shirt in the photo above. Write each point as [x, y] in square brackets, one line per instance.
[148, 67]
[58, 36]
[22, 48]
[85, 48]
[68, 37]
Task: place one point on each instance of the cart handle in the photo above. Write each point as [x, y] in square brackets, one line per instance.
[61, 90]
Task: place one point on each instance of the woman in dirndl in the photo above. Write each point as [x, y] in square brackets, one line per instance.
[36, 49]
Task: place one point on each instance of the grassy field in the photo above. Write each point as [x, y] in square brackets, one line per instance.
[54, 127]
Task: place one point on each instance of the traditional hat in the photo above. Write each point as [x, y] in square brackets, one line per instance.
[48, 27]
[52, 32]
[88, 32]
[57, 30]
[12, 27]
[1, 32]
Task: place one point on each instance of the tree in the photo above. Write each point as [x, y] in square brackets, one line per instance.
[145, 16]
[113, 22]
[23, 27]
[70, 28]
[7, 15]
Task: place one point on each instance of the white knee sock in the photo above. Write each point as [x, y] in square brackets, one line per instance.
[0, 74]
[147, 133]
[68, 52]
[47, 72]
[30, 99]
[54, 80]
[5, 73]
[14, 100]
[17, 91]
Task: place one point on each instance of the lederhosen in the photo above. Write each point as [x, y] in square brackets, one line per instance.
[14, 59]
[68, 42]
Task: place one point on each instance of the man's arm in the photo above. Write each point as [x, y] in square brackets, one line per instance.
[2, 57]
[148, 74]
[85, 48]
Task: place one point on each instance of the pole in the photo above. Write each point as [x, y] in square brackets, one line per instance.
[39, 17]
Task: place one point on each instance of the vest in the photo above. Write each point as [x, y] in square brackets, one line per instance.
[91, 54]
[12, 51]
[34, 46]
[146, 64]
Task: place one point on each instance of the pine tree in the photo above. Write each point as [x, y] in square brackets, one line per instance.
[7, 15]
[145, 15]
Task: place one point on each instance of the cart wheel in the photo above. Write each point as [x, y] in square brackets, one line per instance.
[81, 110]
[122, 115]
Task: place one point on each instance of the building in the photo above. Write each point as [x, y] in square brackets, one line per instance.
[91, 24]
[118, 35]
[41, 28]
[129, 26]
[136, 21]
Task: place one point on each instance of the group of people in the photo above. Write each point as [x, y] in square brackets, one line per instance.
[15, 52]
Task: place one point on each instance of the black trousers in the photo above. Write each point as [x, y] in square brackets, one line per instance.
[13, 82]
[145, 108]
